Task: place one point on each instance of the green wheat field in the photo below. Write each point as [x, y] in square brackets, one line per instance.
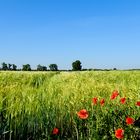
[45, 105]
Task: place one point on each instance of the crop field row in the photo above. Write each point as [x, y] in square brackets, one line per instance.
[70, 105]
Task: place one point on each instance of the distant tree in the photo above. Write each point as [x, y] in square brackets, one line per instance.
[4, 66]
[26, 67]
[90, 69]
[14, 67]
[9, 66]
[44, 68]
[53, 67]
[76, 65]
[84, 69]
[114, 68]
[41, 68]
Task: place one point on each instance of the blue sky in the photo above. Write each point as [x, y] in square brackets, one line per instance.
[100, 33]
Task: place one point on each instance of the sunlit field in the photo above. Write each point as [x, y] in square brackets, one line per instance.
[70, 105]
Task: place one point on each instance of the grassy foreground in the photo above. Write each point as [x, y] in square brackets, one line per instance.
[46, 105]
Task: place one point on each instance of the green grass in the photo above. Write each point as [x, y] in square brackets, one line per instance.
[33, 103]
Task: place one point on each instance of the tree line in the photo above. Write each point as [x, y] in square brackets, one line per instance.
[76, 66]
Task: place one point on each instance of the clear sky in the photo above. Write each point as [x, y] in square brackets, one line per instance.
[100, 33]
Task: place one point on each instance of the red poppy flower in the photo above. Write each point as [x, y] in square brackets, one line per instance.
[129, 120]
[138, 103]
[83, 114]
[119, 133]
[123, 100]
[115, 93]
[55, 131]
[102, 102]
[94, 100]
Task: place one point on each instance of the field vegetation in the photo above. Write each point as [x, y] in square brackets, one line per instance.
[70, 105]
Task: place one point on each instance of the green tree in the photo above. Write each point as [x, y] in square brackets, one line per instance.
[14, 67]
[114, 68]
[26, 67]
[4, 66]
[53, 67]
[9, 66]
[44, 68]
[76, 66]
[41, 68]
